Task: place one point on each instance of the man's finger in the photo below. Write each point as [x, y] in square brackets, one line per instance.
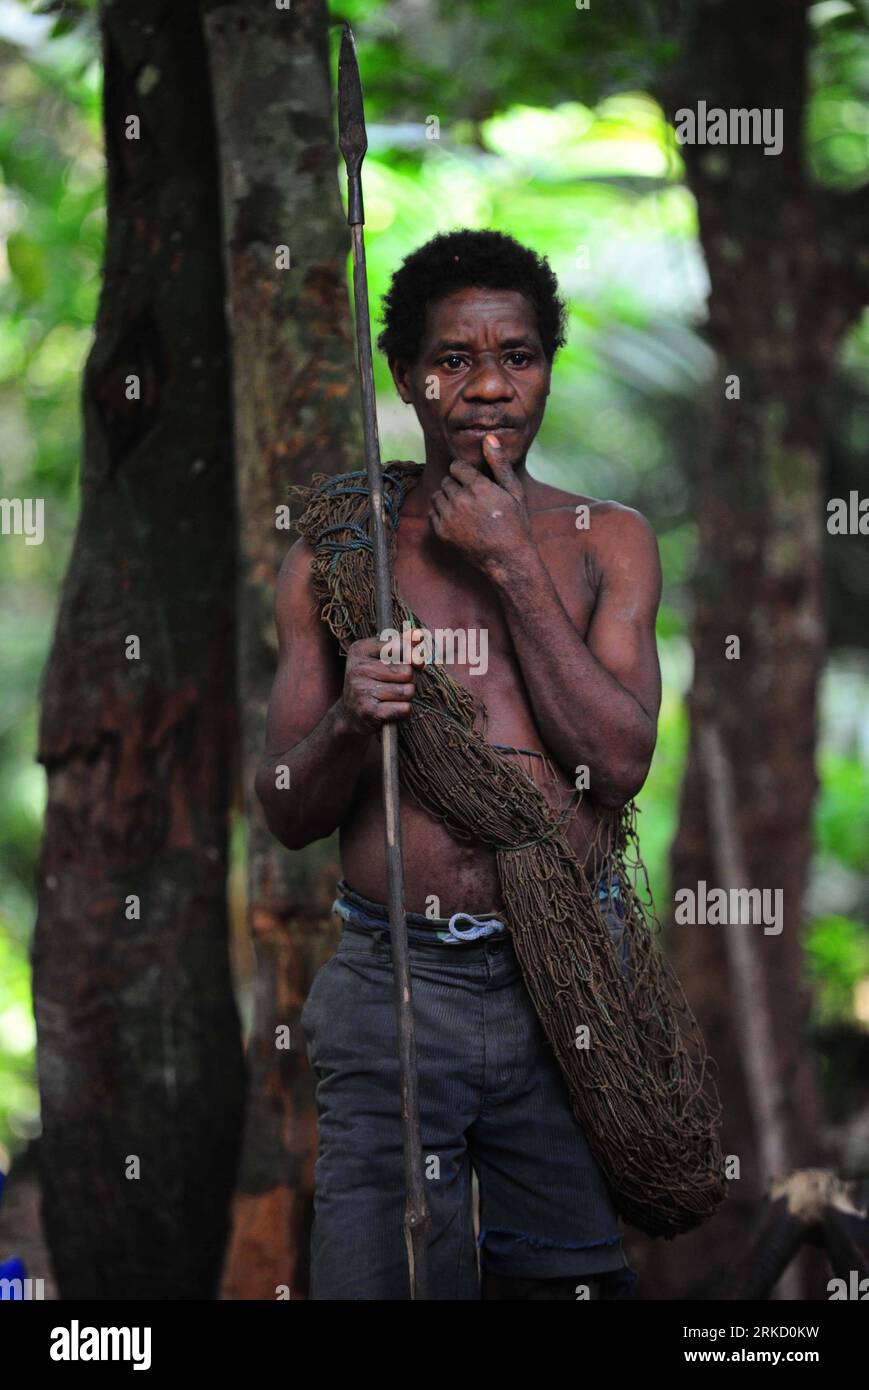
[367, 646]
[397, 671]
[463, 472]
[417, 647]
[502, 471]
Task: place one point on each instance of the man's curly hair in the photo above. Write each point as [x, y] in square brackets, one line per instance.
[459, 260]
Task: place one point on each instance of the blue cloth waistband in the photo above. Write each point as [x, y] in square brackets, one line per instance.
[361, 912]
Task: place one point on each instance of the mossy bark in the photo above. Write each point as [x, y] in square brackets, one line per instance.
[295, 390]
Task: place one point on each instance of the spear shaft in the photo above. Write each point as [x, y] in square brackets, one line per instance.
[353, 142]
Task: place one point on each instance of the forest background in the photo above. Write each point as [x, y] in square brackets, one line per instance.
[487, 117]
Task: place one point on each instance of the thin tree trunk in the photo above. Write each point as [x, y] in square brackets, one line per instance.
[752, 1012]
[296, 413]
[783, 292]
[139, 1050]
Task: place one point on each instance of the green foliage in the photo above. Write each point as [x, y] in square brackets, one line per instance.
[19, 1104]
[658, 802]
[51, 238]
[466, 58]
[842, 814]
[838, 115]
[837, 955]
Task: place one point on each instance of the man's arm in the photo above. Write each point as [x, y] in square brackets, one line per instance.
[595, 700]
[307, 731]
[320, 721]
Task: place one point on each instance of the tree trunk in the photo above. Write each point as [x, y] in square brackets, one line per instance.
[779, 255]
[139, 1050]
[296, 413]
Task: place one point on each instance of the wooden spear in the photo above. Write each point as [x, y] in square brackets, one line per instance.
[354, 143]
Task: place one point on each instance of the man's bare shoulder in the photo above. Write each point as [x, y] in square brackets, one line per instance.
[296, 563]
[294, 591]
[601, 519]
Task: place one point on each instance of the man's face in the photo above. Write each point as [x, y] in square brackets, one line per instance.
[481, 369]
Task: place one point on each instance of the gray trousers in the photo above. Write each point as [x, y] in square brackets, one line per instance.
[492, 1099]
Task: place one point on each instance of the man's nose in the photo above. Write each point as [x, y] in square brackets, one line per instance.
[488, 382]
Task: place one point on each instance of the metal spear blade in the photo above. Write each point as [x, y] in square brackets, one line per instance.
[351, 115]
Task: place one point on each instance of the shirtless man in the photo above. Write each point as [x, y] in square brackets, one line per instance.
[573, 674]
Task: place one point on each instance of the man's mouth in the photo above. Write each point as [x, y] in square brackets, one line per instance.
[479, 431]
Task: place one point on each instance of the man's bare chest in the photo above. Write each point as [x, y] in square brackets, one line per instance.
[462, 608]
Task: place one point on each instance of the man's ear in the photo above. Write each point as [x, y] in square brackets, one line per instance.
[399, 376]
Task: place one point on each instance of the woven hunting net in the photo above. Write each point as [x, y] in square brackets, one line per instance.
[630, 1050]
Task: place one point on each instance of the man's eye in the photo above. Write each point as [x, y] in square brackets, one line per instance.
[526, 356]
[451, 358]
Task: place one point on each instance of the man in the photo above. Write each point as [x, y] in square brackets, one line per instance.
[566, 589]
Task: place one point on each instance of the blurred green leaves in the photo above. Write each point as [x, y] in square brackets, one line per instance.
[838, 116]
[837, 950]
[842, 814]
[28, 265]
[51, 237]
